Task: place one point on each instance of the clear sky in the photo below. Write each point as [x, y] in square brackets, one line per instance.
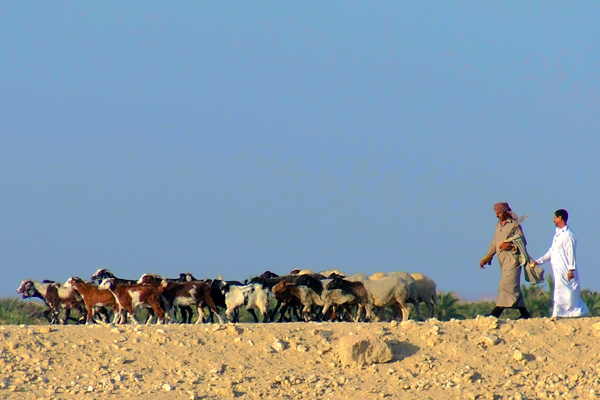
[237, 137]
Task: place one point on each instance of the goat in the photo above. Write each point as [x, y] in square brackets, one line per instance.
[426, 292]
[154, 279]
[253, 295]
[34, 293]
[216, 292]
[105, 273]
[268, 280]
[186, 277]
[187, 293]
[183, 294]
[131, 296]
[307, 291]
[56, 298]
[94, 299]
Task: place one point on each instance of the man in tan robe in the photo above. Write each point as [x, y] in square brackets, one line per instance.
[509, 288]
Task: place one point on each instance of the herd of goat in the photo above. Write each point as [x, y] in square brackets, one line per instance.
[324, 296]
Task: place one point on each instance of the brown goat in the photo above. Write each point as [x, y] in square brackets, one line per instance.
[188, 293]
[129, 297]
[56, 296]
[93, 297]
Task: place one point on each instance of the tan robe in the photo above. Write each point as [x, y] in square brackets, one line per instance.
[509, 288]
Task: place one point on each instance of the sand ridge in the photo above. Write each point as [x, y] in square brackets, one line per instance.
[483, 358]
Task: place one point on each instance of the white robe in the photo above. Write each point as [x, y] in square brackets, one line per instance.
[567, 299]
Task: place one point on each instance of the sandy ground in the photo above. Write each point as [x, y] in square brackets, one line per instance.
[484, 358]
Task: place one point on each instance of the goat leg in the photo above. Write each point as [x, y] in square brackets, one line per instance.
[279, 302]
[251, 311]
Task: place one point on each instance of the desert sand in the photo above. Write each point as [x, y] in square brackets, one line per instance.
[483, 358]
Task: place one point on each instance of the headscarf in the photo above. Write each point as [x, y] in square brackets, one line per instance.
[504, 207]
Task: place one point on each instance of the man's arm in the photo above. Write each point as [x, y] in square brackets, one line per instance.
[569, 249]
[487, 259]
[544, 258]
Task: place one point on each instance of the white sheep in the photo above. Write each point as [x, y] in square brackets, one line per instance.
[413, 299]
[426, 292]
[389, 291]
[328, 272]
[377, 275]
[359, 277]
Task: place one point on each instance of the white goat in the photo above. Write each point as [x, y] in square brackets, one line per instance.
[253, 296]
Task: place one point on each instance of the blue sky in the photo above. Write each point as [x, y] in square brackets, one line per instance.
[234, 138]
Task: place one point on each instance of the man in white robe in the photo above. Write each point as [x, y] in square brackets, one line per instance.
[567, 299]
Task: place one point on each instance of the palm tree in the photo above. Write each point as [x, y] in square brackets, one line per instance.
[471, 309]
[592, 301]
[537, 301]
[447, 307]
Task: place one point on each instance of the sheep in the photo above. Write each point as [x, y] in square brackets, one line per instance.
[56, 297]
[328, 273]
[359, 277]
[377, 275]
[131, 296]
[347, 292]
[426, 292]
[413, 298]
[307, 272]
[94, 297]
[336, 299]
[387, 291]
[253, 295]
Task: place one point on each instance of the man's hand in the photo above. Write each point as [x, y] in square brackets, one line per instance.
[533, 264]
[485, 261]
[570, 275]
[506, 246]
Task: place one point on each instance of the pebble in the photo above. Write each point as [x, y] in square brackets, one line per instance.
[490, 339]
[278, 345]
[518, 356]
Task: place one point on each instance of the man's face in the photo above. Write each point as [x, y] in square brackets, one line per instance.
[502, 215]
[557, 220]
